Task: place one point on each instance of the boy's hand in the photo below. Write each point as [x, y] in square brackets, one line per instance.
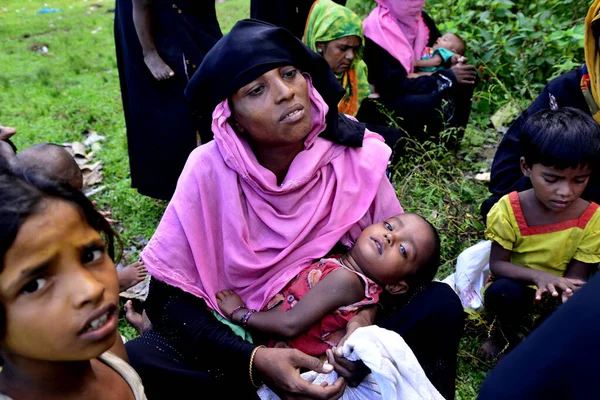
[577, 282]
[549, 283]
[228, 300]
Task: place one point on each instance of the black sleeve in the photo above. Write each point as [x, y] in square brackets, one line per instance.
[206, 335]
[434, 32]
[390, 78]
[506, 173]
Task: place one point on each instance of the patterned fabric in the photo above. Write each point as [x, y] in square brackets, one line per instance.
[428, 54]
[329, 21]
[332, 328]
[549, 247]
[589, 83]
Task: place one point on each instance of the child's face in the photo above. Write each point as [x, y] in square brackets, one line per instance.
[451, 42]
[557, 189]
[389, 251]
[59, 289]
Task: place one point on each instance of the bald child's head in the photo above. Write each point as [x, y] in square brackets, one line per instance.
[53, 161]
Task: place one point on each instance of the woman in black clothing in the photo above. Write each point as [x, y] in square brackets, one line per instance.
[247, 217]
[289, 14]
[396, 33]
[161, 131]
[577, 89]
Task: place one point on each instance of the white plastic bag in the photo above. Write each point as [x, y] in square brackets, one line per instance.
[472, 271]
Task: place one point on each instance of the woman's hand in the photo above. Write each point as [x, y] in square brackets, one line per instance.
[353, 371]
[464, 73]
[280, 368]
[458, 59]
[549, 283]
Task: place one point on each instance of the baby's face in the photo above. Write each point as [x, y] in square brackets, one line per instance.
[389, 251]
[450, 42]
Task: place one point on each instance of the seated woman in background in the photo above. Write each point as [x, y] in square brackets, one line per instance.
[257, 205]
[336, 33]
[578, 89]
[397, 32]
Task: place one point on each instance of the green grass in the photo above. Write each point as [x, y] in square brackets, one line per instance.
[75, 87]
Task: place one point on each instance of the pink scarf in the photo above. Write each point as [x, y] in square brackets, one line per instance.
[229, 226]
[397, 26]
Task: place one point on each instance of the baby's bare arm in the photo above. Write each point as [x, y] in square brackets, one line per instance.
[340, 288]
[434, 61]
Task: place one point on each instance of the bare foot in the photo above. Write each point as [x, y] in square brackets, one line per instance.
[160, 70]
[491, 349]
[228, 300]
[140, 322]
[105, 214]
[131, 275]
[6, 132]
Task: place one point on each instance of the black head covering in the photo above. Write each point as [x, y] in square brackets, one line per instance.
[253, 48]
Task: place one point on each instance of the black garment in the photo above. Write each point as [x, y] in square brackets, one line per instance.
[190, 349]
[509, 301]
[289, 14]
[506, 170]
[161, 132]
[254, 47]
[424, 105]
[559, 360]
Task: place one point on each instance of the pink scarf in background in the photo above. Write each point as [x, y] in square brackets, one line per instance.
[397, 26]
[229, 226]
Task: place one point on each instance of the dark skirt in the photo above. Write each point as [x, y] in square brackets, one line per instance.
[161, 130]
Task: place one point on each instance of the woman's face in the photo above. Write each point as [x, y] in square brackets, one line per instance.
[274, 109]
[59, 289]
[340, 53]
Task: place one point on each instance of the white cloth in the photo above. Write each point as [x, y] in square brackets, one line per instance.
[472, 272]
[395, 371]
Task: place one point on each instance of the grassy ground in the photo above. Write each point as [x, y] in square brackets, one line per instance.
[55, 97]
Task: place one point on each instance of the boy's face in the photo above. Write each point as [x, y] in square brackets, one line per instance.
[389, 251]
[451, 42]
[59, 289]
[557, 189]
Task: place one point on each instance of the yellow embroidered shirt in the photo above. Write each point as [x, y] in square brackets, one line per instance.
[548, 247]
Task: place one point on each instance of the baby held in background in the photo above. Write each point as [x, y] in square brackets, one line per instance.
[449, 48]
[312, 311]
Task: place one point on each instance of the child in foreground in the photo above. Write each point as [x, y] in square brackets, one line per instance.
[59, 296]
[57, 164]
[312, 311]
[545, 240]
[449, 48]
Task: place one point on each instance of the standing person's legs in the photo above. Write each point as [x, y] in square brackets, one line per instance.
[431, 322]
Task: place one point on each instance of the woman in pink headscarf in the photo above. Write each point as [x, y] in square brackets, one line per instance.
[285, 180]
[397, 32]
